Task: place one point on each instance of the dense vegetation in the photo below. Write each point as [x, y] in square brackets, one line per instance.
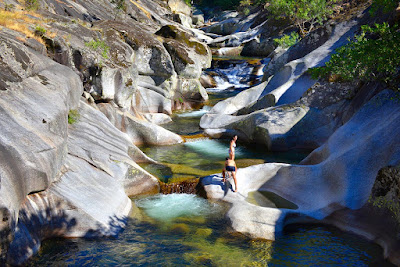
[373, 55]
[305, 14]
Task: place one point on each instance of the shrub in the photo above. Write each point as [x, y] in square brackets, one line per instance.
[119, 4]
[73, 116]
[40, 31]
[96, 44]
[374, 55]
[287, 40]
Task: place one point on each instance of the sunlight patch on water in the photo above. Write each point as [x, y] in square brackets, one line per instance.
[169, 207]
[211, 147]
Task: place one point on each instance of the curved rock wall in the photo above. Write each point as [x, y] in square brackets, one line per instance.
[65, 167]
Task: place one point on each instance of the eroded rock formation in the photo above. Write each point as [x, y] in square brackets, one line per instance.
[68, 163]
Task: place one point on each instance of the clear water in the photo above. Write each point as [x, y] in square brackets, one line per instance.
[166, 208]
[185, 230]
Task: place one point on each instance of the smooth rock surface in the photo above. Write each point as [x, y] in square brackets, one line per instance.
[340, 174]
[139, 131]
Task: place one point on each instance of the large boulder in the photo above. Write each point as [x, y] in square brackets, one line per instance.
[305, 124]
[53, 149]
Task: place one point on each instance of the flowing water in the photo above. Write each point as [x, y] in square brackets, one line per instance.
[184, 229]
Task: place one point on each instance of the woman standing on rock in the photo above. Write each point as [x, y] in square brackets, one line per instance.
[230, 166]
[232, 146]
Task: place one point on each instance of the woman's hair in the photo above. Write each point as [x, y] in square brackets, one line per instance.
[227, 158]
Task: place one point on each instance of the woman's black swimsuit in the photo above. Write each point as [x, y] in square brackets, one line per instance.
[230, 168]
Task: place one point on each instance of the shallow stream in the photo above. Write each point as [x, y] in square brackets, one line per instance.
[184, 229]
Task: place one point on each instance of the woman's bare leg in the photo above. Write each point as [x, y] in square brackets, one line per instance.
[234, 179]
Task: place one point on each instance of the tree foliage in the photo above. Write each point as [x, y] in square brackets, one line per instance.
[305, 13]
[288, 40]
[374, 55]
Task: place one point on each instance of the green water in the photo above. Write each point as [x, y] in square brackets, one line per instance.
[185, 230]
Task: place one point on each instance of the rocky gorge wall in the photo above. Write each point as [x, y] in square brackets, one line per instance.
[93, 81]
[352, 128]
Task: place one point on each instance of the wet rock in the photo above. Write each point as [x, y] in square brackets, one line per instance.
[186, 187]
[207, 80]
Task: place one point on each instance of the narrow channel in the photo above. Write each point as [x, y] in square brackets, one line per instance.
[185, 229]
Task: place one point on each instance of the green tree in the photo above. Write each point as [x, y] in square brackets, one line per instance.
[374, 55]
[305, 13]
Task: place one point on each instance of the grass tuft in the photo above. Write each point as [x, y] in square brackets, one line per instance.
[73, 116]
